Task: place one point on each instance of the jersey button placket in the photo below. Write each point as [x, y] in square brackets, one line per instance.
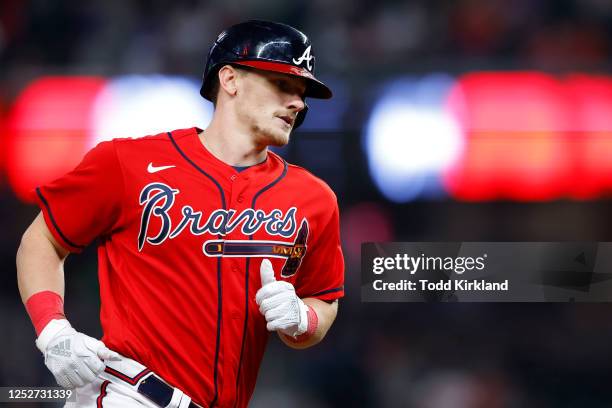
[234, 178]
[239, 185]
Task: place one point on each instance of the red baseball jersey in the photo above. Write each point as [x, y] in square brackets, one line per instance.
[181, 239]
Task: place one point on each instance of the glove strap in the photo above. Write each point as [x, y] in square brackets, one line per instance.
[313, 323]
[43, 307]
[49, 332]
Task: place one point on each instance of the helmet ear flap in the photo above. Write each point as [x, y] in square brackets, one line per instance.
[299, 119]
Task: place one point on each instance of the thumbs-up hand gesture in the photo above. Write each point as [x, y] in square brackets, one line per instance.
[283, 309]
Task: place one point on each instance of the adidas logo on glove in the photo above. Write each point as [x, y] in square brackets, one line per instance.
[61, 349]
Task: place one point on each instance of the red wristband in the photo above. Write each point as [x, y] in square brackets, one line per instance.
[313, 323]
[43, 307]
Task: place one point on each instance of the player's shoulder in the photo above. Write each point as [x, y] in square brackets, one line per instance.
[309, 183]
[130, 149]
[153, 139]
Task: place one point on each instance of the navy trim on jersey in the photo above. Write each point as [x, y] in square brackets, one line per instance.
[198, 168]
[325, 292]
[243, 168]
[246, 281]
[219, 315]
[52, 218]
[269, 186]
[219, 283]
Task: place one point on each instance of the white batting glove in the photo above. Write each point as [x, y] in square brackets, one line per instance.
[73, 358]
[283, 309]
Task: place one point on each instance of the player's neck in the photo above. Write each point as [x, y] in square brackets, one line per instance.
[234, 147]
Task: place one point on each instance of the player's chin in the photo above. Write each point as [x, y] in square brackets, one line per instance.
[280, 141]
[277, 137]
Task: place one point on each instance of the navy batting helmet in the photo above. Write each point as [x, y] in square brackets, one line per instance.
[267, 46]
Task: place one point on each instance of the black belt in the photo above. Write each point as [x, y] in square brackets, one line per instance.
[158, 391]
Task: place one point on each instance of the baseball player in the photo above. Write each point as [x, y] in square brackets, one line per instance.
[207, 241]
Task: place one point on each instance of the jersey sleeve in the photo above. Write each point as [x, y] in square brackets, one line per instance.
[85, 203]
[322, 270]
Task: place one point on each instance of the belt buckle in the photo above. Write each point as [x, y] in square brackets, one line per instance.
[156, 390]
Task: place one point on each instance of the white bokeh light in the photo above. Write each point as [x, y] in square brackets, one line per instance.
[133, 106]
[411, 139]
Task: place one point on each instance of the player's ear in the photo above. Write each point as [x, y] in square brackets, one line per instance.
[228, 76]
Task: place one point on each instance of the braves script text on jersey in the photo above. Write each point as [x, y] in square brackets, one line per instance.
[182, 236]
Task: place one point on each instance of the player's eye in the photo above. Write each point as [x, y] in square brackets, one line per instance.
[286, 86]
[281, 84]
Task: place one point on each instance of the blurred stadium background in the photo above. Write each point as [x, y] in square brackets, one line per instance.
[466, 120]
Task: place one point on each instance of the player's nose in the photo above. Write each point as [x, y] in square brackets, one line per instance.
[296, 103]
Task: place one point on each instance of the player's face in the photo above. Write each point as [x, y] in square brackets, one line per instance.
[269, 104]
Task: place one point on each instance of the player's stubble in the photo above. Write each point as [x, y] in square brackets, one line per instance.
[270, 136]
[266, 126]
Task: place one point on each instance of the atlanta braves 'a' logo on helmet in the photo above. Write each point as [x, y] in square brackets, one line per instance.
[305, 57]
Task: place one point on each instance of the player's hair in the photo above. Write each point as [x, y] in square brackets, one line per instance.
[213, 91]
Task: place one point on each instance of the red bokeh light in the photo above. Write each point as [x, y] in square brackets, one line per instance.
[591, 136]
[2, 142]
[47, 130]
[530, 136]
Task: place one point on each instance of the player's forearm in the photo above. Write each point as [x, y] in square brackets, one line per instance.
[40, 264]
[326, 314]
